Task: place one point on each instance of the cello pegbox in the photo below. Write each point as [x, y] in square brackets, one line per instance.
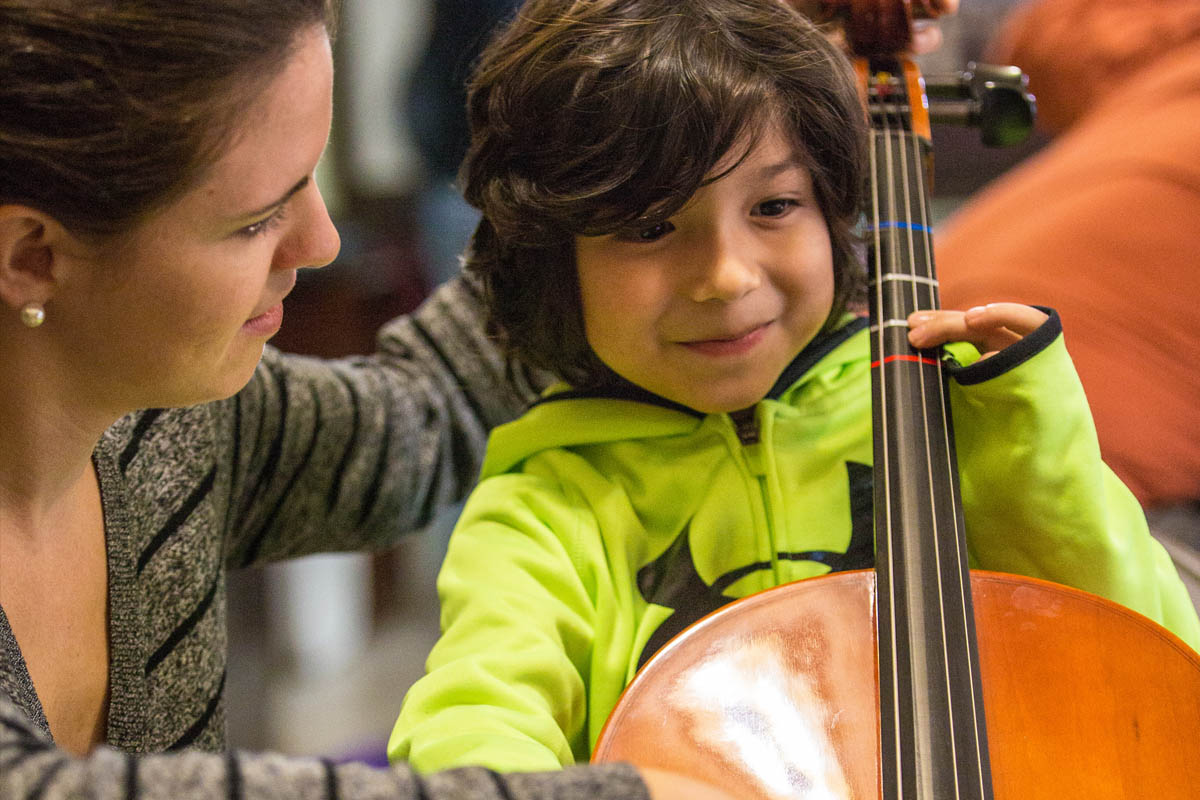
[995, 99]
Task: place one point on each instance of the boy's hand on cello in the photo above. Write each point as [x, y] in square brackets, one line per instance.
[990, 328]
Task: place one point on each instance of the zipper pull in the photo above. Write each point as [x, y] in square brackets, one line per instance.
[745, 424]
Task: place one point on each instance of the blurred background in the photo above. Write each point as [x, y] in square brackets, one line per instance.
[323, 649]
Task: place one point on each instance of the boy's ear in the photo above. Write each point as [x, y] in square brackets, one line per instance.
[30, 242]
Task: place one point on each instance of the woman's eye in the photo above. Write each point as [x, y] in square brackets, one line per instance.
[263, 225]
[651, 233]
[774, 208]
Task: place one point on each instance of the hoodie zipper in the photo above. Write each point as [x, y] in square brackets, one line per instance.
[746, 428]
[745, 425]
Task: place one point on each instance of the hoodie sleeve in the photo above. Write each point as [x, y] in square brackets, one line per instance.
[1072, 520]
[506, 682]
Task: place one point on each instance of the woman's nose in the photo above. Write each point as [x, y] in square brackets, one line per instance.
[314, 241]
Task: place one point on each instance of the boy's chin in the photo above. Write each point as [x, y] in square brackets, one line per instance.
[727, 403]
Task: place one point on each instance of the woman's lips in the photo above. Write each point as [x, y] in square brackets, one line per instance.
[732, 346]
[266, 323]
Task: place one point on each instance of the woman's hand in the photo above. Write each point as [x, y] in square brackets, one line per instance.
[990, 328]
[926, 37]
[672, 786]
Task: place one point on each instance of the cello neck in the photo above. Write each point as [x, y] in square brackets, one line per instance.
[933, 738]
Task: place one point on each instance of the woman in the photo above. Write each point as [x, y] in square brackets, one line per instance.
[156, 201]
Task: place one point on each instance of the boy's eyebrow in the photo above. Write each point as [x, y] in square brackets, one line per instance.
[771, 170]
[300, 184]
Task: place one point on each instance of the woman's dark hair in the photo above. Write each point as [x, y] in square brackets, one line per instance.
[588, 115]
[113, 108]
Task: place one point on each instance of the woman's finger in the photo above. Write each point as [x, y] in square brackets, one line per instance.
[926, 37]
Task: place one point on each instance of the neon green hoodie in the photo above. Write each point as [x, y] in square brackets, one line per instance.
[607, 521]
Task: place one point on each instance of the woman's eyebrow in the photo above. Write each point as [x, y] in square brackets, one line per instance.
[300, 184]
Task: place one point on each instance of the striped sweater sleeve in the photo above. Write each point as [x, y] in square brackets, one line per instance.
[347, 454]
[32, 767]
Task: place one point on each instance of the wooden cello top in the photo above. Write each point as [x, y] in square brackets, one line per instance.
[1086, 699]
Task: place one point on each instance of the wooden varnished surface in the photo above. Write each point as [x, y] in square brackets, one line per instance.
[776, 696]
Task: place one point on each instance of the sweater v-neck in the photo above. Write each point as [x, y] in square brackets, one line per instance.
[127, 693]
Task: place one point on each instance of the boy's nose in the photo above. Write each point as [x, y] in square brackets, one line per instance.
[728, 271]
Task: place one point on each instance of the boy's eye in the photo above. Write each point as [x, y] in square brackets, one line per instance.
[651, 233]
[774, 208]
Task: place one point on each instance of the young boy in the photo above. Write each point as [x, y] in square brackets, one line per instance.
[668, 189]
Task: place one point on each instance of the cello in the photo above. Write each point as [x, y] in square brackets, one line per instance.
[920, 679]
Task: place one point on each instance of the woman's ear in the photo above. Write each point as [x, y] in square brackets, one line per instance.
[28, 243]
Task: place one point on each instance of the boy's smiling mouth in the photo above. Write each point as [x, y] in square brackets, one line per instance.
[734, 344]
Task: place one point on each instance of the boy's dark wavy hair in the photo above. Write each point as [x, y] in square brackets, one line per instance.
[589, 115]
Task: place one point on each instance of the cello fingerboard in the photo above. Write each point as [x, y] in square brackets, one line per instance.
[933, 743]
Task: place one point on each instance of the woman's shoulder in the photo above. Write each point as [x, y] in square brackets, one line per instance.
[155, 429]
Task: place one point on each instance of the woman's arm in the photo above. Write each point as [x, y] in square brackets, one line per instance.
[32, 767]
[352, 453]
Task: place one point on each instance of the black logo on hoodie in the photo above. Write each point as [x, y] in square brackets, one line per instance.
[671, 580]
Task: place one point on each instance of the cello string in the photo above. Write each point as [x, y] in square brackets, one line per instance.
[882, 418]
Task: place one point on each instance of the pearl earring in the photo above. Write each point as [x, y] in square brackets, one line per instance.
[33, 314]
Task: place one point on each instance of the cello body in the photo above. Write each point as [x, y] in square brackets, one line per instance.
[777, 696]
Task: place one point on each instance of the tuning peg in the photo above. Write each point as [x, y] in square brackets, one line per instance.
[993, 98]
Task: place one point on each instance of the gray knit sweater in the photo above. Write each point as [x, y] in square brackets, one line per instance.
[311, 456]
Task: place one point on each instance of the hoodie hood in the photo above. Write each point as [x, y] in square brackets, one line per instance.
[565, 417]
